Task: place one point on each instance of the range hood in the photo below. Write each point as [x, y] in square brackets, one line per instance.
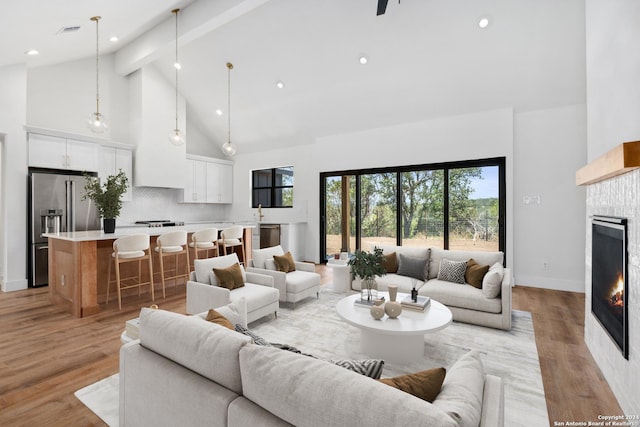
[157, 162]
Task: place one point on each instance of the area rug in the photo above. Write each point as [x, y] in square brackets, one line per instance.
[314, 327]
[102, 398]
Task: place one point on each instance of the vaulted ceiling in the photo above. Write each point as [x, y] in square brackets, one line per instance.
[426, 58]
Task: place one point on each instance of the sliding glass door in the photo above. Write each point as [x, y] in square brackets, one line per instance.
[458, 205]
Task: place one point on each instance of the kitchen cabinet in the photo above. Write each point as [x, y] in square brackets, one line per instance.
[195, 189]
[208, 180]
[113, 159]
[219, 183]
[54, 152]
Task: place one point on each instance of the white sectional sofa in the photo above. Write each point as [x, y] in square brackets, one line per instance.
[489, 306]
[188, 372]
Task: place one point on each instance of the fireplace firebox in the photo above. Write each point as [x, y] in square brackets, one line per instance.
[609, 278]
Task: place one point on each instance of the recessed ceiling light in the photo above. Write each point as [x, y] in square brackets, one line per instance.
[113, 39]
[177, 65]
[363, 59]
[32, 52]
[280, 84]
[484, 21]
[219, 112]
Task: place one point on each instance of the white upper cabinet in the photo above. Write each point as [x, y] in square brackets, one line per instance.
[111, 161]
[195, 189]
[219, 182]
[61, 153]
[209, 180]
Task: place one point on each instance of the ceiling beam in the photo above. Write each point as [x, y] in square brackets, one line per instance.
[197, 19]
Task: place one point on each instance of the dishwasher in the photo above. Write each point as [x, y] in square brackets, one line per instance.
[269, 235]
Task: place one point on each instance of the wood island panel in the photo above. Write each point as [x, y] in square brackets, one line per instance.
[79, 273]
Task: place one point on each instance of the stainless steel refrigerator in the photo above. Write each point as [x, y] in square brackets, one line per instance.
[55, 204]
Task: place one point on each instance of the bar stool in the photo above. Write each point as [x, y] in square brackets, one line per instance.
[231, 237]
[127, 249]
[173, 243]
[204, 240]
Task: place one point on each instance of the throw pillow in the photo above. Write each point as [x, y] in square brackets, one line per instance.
[452, 271]
[492, 282]
[257, 339]
[475, 273]
[371, 368]
[217, 318]
[230, 277]
[390, 263]
[424, 384]
[412, 267]
[285, 263]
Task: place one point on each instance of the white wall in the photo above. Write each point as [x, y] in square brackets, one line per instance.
[550, 145]
[13, 199]
[62, 96]
[613, 100]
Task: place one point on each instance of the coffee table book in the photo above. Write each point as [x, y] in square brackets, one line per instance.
[420, 305]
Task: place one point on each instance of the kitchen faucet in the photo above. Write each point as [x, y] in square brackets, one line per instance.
[260, 214]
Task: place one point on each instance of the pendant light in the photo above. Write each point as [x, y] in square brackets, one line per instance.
[227, 148]
[175, 136]
[97, 122]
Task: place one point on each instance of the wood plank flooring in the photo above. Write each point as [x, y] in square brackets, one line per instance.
[46, 355]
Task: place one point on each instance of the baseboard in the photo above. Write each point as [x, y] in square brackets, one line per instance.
[551, 283]
[15, 285]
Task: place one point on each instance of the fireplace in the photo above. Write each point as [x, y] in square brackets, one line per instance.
[609, 278]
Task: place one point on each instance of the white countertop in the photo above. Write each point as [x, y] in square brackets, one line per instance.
[84, 236]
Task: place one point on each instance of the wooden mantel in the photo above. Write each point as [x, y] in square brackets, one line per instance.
[621, 159]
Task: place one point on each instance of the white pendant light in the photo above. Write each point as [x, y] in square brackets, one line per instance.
[175, 136]
[227, 148]
[97, 122]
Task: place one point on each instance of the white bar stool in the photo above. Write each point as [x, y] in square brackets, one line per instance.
[204, 241]
[128, 249]
[173, 243]
[231, 237]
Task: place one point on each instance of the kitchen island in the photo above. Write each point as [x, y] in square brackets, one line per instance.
[79, 263]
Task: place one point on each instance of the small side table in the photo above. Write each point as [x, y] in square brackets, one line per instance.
[341, 275]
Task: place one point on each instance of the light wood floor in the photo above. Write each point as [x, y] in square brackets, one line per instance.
[46, 355]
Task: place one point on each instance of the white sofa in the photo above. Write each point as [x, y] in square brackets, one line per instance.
[467, 303]
[294, 286]
[262, 298]
[188, 372]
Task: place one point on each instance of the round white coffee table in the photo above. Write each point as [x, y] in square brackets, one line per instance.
[397, 340]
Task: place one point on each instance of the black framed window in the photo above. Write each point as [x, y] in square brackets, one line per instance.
[454, 205]
[272, 188]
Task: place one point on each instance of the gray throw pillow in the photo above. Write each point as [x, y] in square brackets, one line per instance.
[412, 267]
[452, 271]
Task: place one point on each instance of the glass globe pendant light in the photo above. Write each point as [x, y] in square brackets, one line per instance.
[176, 137]
[97, 122]
[227, 148]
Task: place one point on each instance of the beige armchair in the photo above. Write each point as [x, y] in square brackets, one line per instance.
[293, 286]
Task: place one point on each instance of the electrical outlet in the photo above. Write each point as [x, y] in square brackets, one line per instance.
[545, 265]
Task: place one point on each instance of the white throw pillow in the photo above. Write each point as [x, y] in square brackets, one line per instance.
[270, 264]
[262, 255]
[492, 282]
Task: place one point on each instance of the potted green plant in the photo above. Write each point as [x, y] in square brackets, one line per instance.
[366, 266]
[107, 197]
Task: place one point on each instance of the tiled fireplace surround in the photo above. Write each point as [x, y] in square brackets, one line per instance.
[618, 196]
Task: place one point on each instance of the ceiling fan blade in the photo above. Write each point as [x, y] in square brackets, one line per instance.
[382, 7]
